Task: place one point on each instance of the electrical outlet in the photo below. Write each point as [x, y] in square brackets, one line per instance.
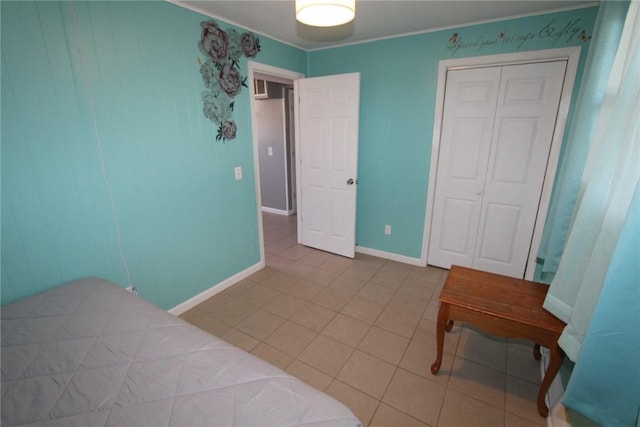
[238, 172]
[270, 151]
[387, 229]
[132, 289]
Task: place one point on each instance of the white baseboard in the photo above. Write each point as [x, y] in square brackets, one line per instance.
[275, 211]
[215, 289]
[391, 256]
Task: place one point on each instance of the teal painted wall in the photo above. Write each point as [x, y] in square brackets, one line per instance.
[397, 104]
[185, 223]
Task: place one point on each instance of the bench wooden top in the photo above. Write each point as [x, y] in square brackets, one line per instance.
[500, 296]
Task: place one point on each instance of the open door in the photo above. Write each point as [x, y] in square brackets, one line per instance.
[328, 113]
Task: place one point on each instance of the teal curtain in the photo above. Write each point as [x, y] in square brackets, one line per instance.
[604, 43]
[596, 289]
[609, 179]
[605, 384]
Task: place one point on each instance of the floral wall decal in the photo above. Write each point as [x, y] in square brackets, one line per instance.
[221, 73]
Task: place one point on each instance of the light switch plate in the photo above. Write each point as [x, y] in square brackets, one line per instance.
[238, 172]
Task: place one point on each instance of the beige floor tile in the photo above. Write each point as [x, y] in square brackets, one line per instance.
[478, 381]
[213, 326]
[231, 310]
[429, 274]
[280, 281]
[415, 396]
[291, 338]
[490, 380]
[238, 289]
[272, 355]
[192, 316]
[386, 416]
[309, 375]
[396, 320]
[376, 293]
[258, 295]
[418, 288]
[427, 330]
[419, 357]
[296, 252]
[330, 298]
[274, 261]
[521, 363]
[315, 258]
[262, 275]
[260, 324]
[460, 410]
[431, 312]
[362, 309]
[521, 399]
[348, 285]
[362, 269]
[346, 329]
[389, 279]
[409, 303]
[481, 347]
[304, 289]
[337, 263]
[313, 316]
[240, 339]
[384, 345]
[284, 305]
[362, 405]
[217, 301]
[321, 276]
[367, 374]
[326, 354]
[298, 269]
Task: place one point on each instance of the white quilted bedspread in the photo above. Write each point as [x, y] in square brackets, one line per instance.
[91, 354]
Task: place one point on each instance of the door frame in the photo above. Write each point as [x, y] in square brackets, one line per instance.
[572, 56]
[279, 75]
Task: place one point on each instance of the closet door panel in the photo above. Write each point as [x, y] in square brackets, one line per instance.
[521, 139]
[469, 111]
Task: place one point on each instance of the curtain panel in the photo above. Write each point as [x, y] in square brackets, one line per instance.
[596, 289]
[606, 37]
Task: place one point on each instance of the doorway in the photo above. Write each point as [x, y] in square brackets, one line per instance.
[434, 213]
[276, 146]
[279, 224]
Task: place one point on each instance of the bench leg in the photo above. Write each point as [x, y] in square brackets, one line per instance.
[557, 355]
[443, 324]
[536, 352]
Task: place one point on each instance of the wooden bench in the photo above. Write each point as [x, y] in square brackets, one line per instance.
[502, 306]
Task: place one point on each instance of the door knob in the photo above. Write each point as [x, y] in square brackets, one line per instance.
[350, 181]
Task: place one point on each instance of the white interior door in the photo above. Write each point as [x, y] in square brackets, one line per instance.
[469, 113]
[497, 130]
[328, 152]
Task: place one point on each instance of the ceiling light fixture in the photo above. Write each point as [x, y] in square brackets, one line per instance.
[325, 13]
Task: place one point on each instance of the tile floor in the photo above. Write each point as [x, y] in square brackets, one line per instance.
[363, 331]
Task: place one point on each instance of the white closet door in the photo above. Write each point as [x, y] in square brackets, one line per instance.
[469, 113]
[490, 225]
[525, 119]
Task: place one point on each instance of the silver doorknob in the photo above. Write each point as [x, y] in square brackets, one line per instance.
[350, 181]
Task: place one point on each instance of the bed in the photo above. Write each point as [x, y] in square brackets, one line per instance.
[89, 353]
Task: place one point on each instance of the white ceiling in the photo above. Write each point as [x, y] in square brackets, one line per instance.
[374, 18]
